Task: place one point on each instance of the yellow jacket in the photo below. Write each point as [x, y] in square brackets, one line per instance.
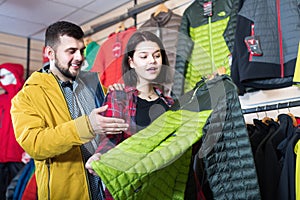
[43, 127]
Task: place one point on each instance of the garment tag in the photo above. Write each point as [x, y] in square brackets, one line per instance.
[253, 45]
[117, 49]
[207, 7]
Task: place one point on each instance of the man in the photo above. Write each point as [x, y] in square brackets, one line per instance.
[57, 120]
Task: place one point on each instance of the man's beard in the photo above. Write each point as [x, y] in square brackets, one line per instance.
[64, 71]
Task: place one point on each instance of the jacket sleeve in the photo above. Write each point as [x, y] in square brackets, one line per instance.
[184, 50]
[44, 133]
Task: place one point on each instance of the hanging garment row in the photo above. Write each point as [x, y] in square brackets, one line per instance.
[273, 142]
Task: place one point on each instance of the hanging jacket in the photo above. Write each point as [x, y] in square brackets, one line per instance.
[205, 42]
[11, 151]
[274, 22]
[225, 150]
[44, 128]
[108, 61]
[166, 26]
[286, 186]
[154, 163]
[268, 157]
[90, 54]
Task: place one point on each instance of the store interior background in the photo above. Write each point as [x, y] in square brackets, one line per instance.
[23, 23]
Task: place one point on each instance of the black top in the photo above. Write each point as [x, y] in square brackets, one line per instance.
[148, 111]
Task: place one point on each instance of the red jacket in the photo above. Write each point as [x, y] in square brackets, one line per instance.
[108, 61]
[10, 149]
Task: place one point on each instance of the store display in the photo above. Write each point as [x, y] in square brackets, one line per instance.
[165, 24]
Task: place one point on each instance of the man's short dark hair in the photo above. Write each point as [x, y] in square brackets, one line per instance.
[61, 28]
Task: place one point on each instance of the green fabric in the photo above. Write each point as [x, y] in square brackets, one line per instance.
[208, 52]
[154, 163]
[91, 52]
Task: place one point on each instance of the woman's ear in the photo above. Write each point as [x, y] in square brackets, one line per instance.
[130, 62]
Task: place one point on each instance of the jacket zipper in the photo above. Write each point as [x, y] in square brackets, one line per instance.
[211, 45]
[280, 39]
[48, 163]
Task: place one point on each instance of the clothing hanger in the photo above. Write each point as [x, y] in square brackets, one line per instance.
[87, 41]
[161, 8]
[120, 27]
[266, 119]
[292, 116]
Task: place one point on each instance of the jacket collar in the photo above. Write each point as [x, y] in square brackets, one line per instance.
[161, 19]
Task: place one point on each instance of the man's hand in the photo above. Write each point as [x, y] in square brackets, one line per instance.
[88, 164]
[106, 125]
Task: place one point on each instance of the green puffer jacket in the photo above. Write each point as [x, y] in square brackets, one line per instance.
[154, 163]
[205, 43]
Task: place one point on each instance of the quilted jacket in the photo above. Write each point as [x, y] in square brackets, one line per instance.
[153, 163]
[205, 43]
[166, 26]
[225, 152]
[276, 23]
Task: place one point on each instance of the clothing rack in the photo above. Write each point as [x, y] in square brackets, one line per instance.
[131, 13]
[276, 106]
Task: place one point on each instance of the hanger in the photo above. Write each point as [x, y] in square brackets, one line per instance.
[292, 116]
[266, 119]
[120, 27]
[161, 8]
[87, 41]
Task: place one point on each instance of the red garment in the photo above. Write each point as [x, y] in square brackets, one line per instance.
[10, 149]
[30, 192]
[108, 61]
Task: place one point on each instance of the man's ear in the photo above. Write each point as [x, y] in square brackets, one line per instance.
[50, 53]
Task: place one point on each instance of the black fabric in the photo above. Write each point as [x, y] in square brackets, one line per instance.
[260, 132]
[259, 154]
[7, 172]
[148, 111]
[267, 157]
[67, 84]
[286, 188]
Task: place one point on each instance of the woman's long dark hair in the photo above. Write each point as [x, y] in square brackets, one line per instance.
[129, 75]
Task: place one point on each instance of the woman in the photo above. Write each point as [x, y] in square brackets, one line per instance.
[141, 101]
